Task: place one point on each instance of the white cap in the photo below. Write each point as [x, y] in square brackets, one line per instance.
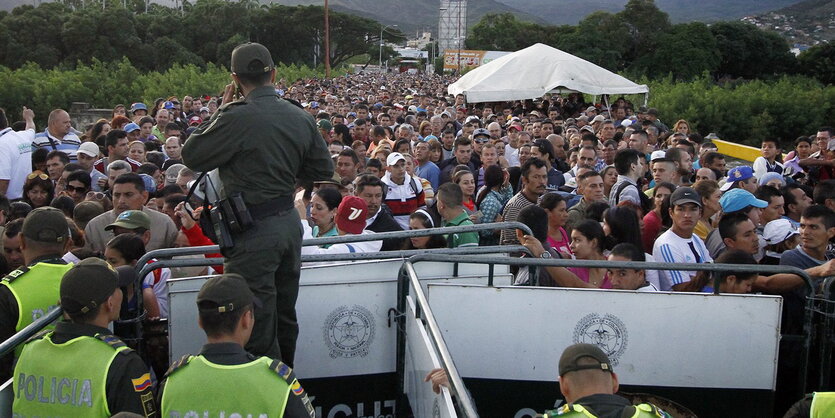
[598, 118]
[394, 157]
[626, 122]
[658, 155]
[778, 231]
[89, 149]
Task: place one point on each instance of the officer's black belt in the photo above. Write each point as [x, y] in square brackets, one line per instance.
[278, 206]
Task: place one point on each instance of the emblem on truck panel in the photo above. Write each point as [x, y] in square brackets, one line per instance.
[606, 332]
[349, 331]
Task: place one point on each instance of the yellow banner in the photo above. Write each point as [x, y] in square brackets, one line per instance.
[468, 59]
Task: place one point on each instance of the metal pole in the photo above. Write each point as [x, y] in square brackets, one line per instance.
[380, 63]
[458, 37]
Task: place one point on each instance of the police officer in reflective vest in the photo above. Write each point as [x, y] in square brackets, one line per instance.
[29, 292]
[261, 145]
[230, 381]
[80, 369]
[589, 384]
[813, 405]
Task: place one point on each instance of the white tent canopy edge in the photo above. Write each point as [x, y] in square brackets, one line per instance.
[536, 70]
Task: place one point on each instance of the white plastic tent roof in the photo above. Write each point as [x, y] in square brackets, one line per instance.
[538, 69]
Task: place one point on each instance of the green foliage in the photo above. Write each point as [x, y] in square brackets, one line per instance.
[749, 111]
[504, 32]
[55, 34]
[750, 52]
[640, 40]
[104, 85]
[819, 62]
[686, 51]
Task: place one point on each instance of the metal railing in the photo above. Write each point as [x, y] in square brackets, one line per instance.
[8, 346]
[343, 239]
[826, 340]
[408, 280]
[382, 255]
[408, 277]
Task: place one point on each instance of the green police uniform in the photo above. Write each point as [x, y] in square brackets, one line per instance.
[582, 357]
[80, 370]
[34, 290]
[279, 393]
[643, 410]
[28, 293]
[224, 361]
[261, 146]
[823, 405]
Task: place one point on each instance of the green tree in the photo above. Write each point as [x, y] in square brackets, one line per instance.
[687, 51]
[504, 32]
[35, 34]
[646, 23]
[750, 52]
[209, 23]
[818, 61]
[598, 39]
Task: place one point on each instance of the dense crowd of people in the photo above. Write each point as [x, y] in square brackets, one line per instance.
[591, 181]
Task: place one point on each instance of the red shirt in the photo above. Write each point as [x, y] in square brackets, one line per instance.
[652, 226]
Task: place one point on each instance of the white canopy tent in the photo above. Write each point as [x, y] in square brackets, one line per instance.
[536, 70]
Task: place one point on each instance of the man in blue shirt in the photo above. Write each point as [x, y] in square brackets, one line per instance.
[426, 169]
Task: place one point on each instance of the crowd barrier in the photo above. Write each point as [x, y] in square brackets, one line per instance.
[519, 332]
[371, 306]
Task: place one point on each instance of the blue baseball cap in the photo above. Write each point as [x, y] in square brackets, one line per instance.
[131, 127]
[736, 174]
[168, 105]
[737, 199]
[138, 106]
[150, 184]
[430, 137]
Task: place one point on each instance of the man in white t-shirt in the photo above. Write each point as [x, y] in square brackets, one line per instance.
[679, 244]
[15, 155]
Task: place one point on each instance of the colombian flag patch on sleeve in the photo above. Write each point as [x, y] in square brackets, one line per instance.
[297, 388]
[142, 383]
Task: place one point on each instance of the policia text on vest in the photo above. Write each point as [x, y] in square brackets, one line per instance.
[70, 378]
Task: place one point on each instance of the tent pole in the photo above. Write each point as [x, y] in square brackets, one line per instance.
[646, 98]
[606, 100]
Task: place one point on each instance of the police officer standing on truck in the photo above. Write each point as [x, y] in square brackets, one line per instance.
[261, 144]
[263, 387]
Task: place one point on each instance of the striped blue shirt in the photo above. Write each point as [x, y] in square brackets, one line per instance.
[671, 248]
[69, 144]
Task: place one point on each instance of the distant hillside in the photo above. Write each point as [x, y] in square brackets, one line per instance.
[415, 14]
[809, 22]
[411, 15]
[572, 11]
